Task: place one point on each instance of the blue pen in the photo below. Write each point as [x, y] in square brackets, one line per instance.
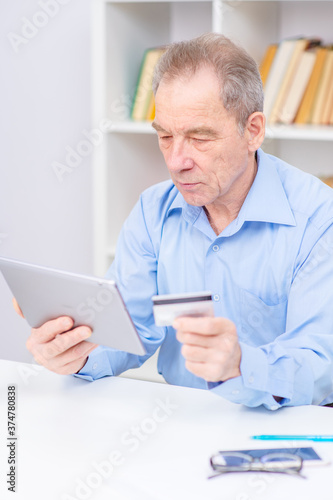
[290, 437]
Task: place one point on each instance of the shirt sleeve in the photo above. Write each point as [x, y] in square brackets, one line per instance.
[297, 365]
[134, 270]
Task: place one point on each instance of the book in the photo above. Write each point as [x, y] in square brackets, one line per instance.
[267, 61]
[331, 117]
[327, 180]
[289, 108]
[298, 50]
[277, 72]
[151, 109]
[327, 109]
[143, 91]
[323, 88]
[304, 111]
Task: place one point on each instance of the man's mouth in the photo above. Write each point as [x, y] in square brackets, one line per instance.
[188, 185]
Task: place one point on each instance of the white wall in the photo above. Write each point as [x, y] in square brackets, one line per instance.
[45, 96]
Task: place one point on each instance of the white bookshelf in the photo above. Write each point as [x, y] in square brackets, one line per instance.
[128, 160]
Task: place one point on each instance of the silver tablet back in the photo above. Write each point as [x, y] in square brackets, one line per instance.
[44, 293]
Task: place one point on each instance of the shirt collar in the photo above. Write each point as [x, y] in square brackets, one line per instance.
[265, 202]
[190, 212]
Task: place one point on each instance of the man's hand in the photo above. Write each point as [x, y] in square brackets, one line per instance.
[17, 308]
[57, 346]
[210, 347]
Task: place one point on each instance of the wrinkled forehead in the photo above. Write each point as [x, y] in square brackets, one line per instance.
[189, 103]
[201, 85]
[188, 73]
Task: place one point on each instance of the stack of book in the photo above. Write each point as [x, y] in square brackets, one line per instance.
[297, 75]
[143, 106]
[328, 180]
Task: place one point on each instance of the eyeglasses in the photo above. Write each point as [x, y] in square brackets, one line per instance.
[234, 461]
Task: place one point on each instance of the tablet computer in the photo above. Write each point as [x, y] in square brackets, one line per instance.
[44, 293]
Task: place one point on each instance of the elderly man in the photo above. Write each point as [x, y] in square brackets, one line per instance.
[254, 230]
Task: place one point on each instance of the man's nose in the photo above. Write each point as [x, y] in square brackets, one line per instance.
[179, 158]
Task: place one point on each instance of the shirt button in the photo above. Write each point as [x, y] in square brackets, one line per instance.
[94, 366]
[216, 297]
[235, 392]
[216, 248]
[251, 380]
[274, 407]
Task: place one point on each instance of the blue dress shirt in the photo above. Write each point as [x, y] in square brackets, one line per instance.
[270, 271]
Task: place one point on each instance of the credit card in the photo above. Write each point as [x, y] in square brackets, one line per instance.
[167, 308]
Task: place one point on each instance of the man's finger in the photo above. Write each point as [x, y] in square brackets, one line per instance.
[64, 341]
[72, 360]
[17, 307]
[73, 367]
[202, 370]
[196, 339]
[51, 329]
[195, 354]
[202, 325]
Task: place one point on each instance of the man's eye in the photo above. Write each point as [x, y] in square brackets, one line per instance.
[199, 140]
[165, 137]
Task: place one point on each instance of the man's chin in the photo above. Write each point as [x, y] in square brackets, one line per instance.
[193, 199]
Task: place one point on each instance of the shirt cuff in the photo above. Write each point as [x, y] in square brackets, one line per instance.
[97, 365]
[235, 391]
[251, 388]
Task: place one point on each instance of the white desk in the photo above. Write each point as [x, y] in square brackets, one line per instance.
[158, 437]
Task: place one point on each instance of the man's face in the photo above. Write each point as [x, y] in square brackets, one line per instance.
[208, 160]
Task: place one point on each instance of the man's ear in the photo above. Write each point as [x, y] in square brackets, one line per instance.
[255, 130]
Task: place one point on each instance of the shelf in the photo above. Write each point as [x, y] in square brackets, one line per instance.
[129, 159]
[169, 1]
[300, 132]
[130, 127]
[291, 132]
[231, 2]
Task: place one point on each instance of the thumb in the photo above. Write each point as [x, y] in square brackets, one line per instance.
[17, 308]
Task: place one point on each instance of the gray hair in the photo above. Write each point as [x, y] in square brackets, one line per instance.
[238, 74]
